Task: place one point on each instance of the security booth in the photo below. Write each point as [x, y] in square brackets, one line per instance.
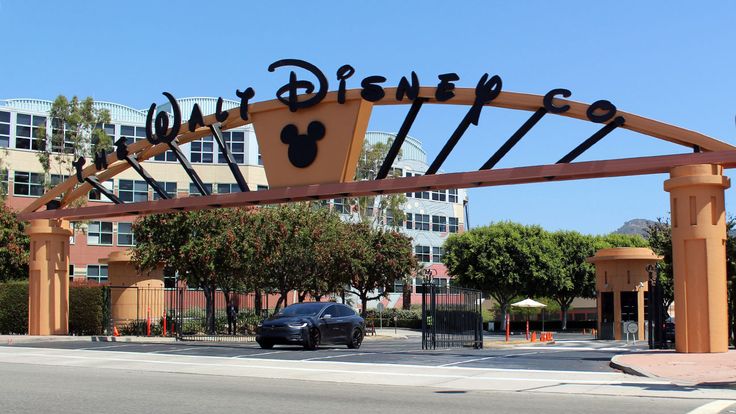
[621, 278]
[134, 296]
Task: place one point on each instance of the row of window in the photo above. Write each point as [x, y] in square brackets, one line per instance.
[450, 195]
[423, 254]
[27, 136]
[100, 233]
[439, 223]
[31, 184]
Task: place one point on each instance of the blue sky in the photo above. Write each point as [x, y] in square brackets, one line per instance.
[670, 61]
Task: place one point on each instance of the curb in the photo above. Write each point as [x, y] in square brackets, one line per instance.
[615, 364]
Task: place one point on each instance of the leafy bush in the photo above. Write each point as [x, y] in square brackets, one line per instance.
[86, 309]
[14, 307]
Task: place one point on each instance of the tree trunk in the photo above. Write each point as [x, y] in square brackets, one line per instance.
[209, 297]
[406, 305]
[564, 309]
[504, 312]
[302, 296]
[258, 302]
[282, 300]
[364, 307]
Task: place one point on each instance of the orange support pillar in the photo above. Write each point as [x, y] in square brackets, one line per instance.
[699, 257]
[48, 288]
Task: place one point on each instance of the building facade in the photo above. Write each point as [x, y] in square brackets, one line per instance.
[431, 216]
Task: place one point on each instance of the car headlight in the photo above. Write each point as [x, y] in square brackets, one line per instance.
[297, 324]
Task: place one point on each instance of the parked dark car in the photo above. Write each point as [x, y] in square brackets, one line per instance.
[311, 325]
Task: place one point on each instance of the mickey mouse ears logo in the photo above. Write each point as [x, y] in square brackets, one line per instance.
[302, 147]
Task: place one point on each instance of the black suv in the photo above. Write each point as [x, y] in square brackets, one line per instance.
[311, 325]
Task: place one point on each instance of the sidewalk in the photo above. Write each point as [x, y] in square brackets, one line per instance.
[684, 369]
[27, 339]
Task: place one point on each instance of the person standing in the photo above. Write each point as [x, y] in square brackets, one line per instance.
[232, 314]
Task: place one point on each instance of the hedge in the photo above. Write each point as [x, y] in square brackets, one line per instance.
[86, 306]
[14, 307]
[86, 309]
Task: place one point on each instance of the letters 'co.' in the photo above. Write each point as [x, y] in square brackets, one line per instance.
[302, 148]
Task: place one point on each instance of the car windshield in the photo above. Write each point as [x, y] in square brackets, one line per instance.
[302, 309]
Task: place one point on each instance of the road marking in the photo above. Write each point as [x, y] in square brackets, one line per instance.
[467, 361]
[359, 372]
[102, 347]
[712, 407]
[337, 356]
[572, 349]
[262, 353]
[385, 364]
[166, 351]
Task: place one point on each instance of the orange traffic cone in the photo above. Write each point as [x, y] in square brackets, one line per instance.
[115, 331]
[534, 336]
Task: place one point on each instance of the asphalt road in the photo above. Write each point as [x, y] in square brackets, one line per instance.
[568, 356]
[60, 389]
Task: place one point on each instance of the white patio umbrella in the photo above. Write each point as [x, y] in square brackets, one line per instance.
[530, 303]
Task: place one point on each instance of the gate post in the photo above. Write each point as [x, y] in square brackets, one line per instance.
[48, 281]
[699, 257]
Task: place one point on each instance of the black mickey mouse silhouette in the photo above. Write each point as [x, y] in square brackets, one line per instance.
[302, 148]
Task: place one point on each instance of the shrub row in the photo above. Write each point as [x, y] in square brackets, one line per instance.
[86, 308]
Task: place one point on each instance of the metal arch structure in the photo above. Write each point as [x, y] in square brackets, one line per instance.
[707, 150]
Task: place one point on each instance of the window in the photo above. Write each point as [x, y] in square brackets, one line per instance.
[28, 184]
[3, 182]
[227, 188]
[439, 223]
[132, 190]
[26, 132]
[4, 129]
[96, 195]
[261, 187]
[125, 234]
[169, 187]
[99, 233]
[398, 286]
[409, 221]
[57, 179]
[390, 221]
[331, 310]
[132, 134]
[408, 174]
[422, 253]
[453, 224]
[109, 131]
[165, 156]
[260, 159]
[421, 221]
[97, 273]
[235, 141]
[437, 254]
[341, 205]
[64, 130]
[452, 195]
[395, 172]
[343, 310]
[439, 195]
[193, 191]
[202, 150]
[169, 278]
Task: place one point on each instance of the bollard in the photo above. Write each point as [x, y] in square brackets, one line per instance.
[163, 331]
[148, 322]
[508, 327]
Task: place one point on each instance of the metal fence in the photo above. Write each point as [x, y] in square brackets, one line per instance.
[139, 311]
[191, 317]
[451, 317]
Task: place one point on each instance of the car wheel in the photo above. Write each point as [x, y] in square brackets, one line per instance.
[266, 344]
[356, 339]
[314, 339]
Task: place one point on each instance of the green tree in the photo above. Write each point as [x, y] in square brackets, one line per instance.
[197, 245]
[77, 130]
[3, 174]
[569, 275]
[659, 236]
[381, 210]
[502, 259]
[379, 258]
[14, 246]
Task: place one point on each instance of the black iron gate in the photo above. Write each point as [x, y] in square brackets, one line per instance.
[451, 317]
[190, 317]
